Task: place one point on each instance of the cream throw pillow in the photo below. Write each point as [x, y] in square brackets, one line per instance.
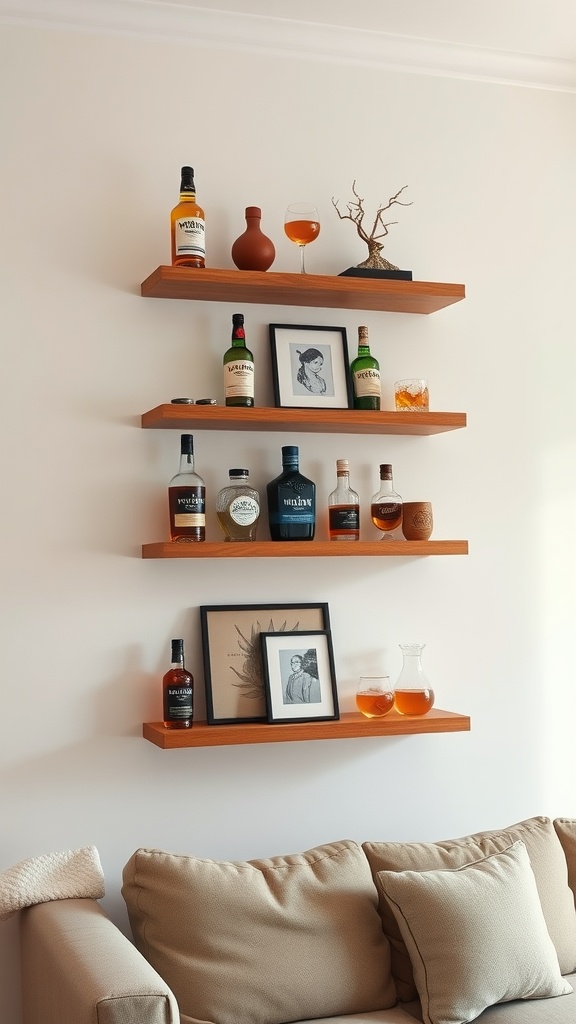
[548, 863]
[476, 935]
[566, 832]
[262, 941]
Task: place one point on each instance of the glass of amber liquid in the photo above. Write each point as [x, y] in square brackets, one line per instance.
[411, 395]
[412, 693]
[374, 696]
[302, 225]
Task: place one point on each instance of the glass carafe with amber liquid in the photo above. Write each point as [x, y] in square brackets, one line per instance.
[412, 693]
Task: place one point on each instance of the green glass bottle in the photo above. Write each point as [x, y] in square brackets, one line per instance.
[365, 370]
[238, 367]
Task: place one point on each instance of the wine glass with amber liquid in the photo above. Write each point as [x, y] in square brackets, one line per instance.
[374, 696]
[302, 225]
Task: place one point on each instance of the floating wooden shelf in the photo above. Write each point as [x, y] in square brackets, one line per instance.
[300, 290]
[302, 548]
[348, 726]
[325, 421]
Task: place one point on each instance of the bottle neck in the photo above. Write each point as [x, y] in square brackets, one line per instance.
[343, 478]
[238, 336]
[186, 462]
[290, 464]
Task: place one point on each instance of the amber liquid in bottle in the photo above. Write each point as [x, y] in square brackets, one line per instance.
[178, 691]
[386, 506]
[413, 702]
[187, 226]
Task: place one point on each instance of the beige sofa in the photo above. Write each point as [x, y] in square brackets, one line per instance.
[478, 928]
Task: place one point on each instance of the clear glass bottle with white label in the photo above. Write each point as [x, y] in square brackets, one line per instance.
[238, 507]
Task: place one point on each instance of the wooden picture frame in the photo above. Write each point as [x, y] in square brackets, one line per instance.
[310, 367]
[232, 655]
[299, 676]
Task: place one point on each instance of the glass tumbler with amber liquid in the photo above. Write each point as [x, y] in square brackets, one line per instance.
[412, 693]
[374, 696]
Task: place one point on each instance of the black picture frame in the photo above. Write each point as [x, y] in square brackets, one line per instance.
[299, 676]
[304, 380]
[232, 654]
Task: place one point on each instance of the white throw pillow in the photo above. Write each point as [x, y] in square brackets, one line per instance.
[475, 935]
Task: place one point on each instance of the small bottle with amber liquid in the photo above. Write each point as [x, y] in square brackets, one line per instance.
[238, 364]
[343, 506]
[365, 371]
[386, 505]
[187, 226]
[187, 497]
[178, 691]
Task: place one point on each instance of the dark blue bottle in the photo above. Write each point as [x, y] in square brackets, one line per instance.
[291, 501]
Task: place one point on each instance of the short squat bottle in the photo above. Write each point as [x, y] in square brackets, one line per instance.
[343, 506]
[291, 501]
[386, 505]
[238, 365]
[187, 227]
[365, 371]
[238, 507]
[187, 497]
[178, 691]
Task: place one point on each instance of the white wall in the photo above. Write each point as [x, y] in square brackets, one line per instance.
[94, 131]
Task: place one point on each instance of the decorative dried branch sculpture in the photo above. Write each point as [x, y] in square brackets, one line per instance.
[356, 214]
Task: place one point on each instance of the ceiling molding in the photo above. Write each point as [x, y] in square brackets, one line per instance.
[183, 23]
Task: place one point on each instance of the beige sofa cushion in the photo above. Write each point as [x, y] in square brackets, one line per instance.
[262, 941]
[548, 863]
[476, 935]
[566, 832]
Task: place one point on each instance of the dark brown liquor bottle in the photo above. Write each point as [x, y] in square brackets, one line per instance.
[187, 497]
[178, 691]
[187, 227]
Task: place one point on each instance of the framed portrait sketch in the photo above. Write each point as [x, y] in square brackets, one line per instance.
[299, 676]
[310, 367]
[233, 671]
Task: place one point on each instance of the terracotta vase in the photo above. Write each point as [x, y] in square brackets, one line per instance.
[253, 250]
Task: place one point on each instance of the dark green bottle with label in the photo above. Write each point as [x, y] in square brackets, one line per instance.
[365, 371]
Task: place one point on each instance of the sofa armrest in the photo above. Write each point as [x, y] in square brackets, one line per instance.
[79, 968]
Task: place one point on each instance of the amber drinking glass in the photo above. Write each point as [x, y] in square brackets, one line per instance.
[374, 696]
[302, 225]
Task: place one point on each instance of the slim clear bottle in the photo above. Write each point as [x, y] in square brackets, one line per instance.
[291, 501]
[187, 497]
[238, 507]
[343, 506]
[238, 365]
[386, 504]
[365, 371]
[187, 226]
[178, 691]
